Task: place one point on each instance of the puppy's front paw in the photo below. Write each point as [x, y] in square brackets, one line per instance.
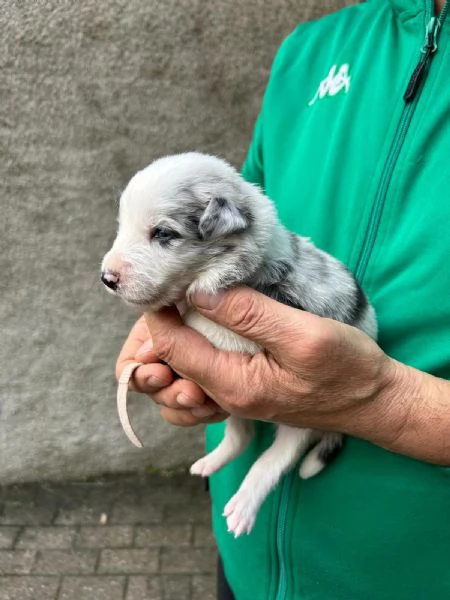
[204, 467]
[240, 515]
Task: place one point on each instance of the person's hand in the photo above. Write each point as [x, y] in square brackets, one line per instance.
[312, 371]
[182, 402]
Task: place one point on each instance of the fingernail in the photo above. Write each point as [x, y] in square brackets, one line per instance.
[208, 301]
[155, 382]
[203, 411]
[146, 347]
[184, 400]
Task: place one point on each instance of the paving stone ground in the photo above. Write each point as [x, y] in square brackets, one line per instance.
[131, 537]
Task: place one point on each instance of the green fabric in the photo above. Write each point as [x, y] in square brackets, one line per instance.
[373, 525]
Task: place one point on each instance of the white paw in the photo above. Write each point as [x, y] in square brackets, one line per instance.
[204, 467]
[240, 515]
[310, 467]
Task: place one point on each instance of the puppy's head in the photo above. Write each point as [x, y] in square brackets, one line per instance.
[185, 222]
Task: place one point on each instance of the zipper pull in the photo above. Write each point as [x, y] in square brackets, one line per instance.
[428, 50]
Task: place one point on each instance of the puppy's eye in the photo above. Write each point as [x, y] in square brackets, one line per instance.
[164, 235]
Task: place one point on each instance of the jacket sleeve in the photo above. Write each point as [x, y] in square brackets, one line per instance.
[253, 168]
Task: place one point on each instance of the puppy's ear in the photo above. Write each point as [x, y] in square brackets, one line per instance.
[221, 217]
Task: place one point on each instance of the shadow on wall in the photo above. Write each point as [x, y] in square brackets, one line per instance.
[90, 93]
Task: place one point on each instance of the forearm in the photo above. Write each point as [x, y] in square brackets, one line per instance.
[410, 416]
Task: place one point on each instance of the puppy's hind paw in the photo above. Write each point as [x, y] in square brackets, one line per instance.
[203, 467]
[240, 516]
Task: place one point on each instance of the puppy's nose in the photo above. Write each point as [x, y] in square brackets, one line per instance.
[110, 279]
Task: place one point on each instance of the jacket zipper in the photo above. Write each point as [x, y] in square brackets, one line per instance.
[411, 96]
[281, 534]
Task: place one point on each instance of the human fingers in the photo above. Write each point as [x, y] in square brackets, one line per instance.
[185, 418]
[218, 373]
[182, 393]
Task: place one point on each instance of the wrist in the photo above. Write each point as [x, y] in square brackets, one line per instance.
[406, 415]
[384, 416]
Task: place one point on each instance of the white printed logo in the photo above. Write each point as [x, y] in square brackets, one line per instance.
[333, 83]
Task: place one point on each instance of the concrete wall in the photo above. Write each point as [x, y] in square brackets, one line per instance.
[90, 92]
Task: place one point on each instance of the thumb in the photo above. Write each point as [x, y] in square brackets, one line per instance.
[256, 317]
[191, 355]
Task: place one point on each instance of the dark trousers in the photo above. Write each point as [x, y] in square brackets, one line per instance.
[223, 589]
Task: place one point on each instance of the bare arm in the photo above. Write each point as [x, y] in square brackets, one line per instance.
[417, 418]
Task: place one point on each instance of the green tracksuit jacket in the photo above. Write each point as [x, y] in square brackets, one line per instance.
[366, 175]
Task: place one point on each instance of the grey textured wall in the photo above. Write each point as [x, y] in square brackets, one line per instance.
[90, 92]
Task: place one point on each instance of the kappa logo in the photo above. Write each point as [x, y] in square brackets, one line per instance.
[333, 83]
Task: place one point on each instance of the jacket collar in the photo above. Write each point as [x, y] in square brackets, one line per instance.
[407, 9]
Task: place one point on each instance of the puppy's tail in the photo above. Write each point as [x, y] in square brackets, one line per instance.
[321, 455]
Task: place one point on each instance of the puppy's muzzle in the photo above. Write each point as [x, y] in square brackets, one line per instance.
[111, 280]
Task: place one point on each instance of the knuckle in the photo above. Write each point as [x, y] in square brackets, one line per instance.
[319, 341]
[245, 313]
[164, 398]
[163, 347]
[316, 344]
